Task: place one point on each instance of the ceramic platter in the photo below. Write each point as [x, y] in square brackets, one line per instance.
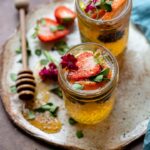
[130, 116]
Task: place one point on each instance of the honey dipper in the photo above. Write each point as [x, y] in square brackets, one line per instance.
[25, 82]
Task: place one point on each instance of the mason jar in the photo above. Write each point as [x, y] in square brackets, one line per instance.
[90, 106]
[113, 33]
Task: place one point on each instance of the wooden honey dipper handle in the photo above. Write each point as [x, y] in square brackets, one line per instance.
[22, 6]
[25, 82]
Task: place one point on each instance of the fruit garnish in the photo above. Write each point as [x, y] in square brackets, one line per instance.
[96, 9]
[87, 67]
[103, 76]
[64, 15]
[69, 62]
[50, 73]
[117, 7]
[49, 30]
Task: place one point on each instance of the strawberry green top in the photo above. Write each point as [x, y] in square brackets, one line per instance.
[87, 70]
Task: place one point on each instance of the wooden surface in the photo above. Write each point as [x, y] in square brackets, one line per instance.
[12, 138]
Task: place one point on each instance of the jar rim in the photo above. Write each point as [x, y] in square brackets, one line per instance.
[117, 18]
[90, 93]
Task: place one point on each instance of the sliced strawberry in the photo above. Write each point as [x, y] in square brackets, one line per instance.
[89, 85]
[49, 30]
[87, 67]
[117, 7]
[99, 14]
[64, 15]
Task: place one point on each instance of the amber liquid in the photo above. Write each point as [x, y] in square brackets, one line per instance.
[90, 112]
[91, 35]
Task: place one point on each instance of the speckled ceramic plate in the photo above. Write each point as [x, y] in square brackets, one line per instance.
[130, 116]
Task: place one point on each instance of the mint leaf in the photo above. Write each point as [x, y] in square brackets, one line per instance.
[18, 51]
[43, 108]
[29, 52]
[31, 115]
[107, 7]
[105, 72]
[34, 35]
[57, 91]
[72, 121]
[77, 86]
[54, 110]
[48, 107]
[44, 61]
[19, 61]
[13, 89]
[79, 134]
[13, 76]
[98, 78]
[61, 46]
[103, 1]
[38, 52]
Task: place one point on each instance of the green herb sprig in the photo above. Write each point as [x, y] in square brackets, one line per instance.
[72, 121]
[13, 89]
[57, 91]
[79, 134]
[61, 47]
[13, 76]
[103, 4]
[31, 115]
[77, 86]
[48, 107]
[102, 76]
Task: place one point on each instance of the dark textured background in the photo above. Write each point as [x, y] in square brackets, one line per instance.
[12, 138]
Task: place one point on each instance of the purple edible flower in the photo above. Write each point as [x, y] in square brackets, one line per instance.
[89, 7]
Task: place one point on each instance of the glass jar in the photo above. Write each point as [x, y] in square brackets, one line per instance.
[113, 34]
[90, 106]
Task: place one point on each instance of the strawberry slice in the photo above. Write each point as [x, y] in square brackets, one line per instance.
[64, 15]
[49, 30]
[99, 14]
[87, 67]
[117, 7]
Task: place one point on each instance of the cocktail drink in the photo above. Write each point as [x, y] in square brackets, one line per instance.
[105, 22]
[88, 75]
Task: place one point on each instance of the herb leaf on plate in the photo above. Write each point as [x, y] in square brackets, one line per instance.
[79, 134]
[13, 89]
[72, 121]
[48, 107]
[57, 91]
[31, 115]
[38, 52]
[61, 47]
[13, 76]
